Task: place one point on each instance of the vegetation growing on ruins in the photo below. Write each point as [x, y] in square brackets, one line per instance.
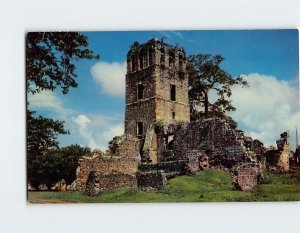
[159, 124]
[205, 186]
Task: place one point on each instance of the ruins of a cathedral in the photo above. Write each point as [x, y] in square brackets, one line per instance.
[160, 142]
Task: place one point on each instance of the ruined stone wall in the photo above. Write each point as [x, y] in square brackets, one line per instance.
[279, 160]
[125, 160]
[284, 158]
[212, 140]
[104, 164]
[151, 180]
[98, 182]
[245, 177]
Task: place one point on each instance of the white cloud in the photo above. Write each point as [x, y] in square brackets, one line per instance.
[97, 131]
[111, 77]
[266, 108]
[94, 131]
[45, 99]
[83, 122]
[112, 131]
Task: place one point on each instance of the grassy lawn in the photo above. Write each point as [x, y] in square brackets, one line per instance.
[206, 186]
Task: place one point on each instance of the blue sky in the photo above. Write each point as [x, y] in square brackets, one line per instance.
[268, 59]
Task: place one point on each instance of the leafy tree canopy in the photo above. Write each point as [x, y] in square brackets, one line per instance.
[50, 59]
[56, 164]
[42, 133]
[205, 77]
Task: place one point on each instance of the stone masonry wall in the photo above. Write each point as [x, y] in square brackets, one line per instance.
[98, 182]
[214, 138]
[125, 160]
[211, 143]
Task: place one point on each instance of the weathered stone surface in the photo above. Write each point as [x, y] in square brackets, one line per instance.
[60, 186]
[156, 66]
[170, 168]
[155, 179]
[125, 145]
[193, 163]
[245, 177]
[98, 182]
[72, 187]
[125, 159]
[279, 160]
[212, 140]
[43, 187]
[30, 187]
[157, 125]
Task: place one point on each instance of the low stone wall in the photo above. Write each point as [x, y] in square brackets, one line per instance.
[171, 168]
[123, 157]
[104, 164]
[151, 179]
[245, 177]
[193, 164]
[98, 182]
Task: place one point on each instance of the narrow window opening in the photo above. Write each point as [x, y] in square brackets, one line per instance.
[170, 142]
[140, 91]
[141, 62]
[151, 57]
[162, 56]
[134, 64]
[140, 128]
[171, 59]
[173, 92]
[180, 62]
[145, 60]
[173, 115]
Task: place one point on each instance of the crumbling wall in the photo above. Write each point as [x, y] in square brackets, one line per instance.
[212, 140]
[125, 160]
[284, 158]
[155, 179]
[170, 168]
[210, 143]
[98, 182]
[245, 177]
[279, 160]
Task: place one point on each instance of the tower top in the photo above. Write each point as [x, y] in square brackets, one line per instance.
[156, 53]
[156, 86]
[154, 43]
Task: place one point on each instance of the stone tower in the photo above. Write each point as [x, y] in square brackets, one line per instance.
[156, 86]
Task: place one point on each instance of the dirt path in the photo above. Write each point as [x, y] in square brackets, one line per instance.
[47, 201]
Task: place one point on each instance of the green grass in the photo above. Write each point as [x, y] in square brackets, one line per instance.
[206, 186]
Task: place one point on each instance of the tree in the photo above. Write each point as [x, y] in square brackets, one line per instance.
[54, 165]
[71, 156]
[41, 135]
[205, 76]
[50, 58]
